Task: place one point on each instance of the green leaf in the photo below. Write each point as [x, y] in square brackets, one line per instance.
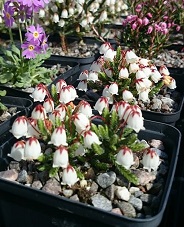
[97, 149]
[53, 172]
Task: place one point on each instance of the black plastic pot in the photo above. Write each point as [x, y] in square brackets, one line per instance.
[30, 207]
[85, 62]
[70, 76]
[24, 107]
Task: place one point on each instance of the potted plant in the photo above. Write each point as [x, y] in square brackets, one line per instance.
[10, 108]
[122, 75]
[53, 149]
[27, 63]
[76, 28]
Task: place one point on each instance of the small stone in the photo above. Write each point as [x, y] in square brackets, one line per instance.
[67, 192]
[122, 193]
[101, 202]
[94, 188]
[37, 184]
[52, 186]
[146, 198]
[127, 209]
[110, 192]
[11, 174]
[22, 177]
[75, 197]
[116, 211]
[136, 202]
[106, 179]
[14, 165]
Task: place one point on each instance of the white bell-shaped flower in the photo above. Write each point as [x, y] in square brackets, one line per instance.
[17, 150]
[125, 157]
[109, 55]
[121, 108]
[83, 75]
[62, 110]
[55, 115]
[140, 74]
[104, 47]
[131, 57]
[143, 61]
[80, 150]
[39, 93]
[85, 108]
[82, 85]
[64, 13]
[58, 137]
[48, 104]
[89, 138]
[32, 129]
[142, 84]
[39, 112]
[123, 73]
[127, 96]
[144, 95]
[147, 70]
[69, 176]
[172, 84]
[102, 102]
[60, 84]
[155, 75]
[32, 149]
[73, 92]
[164, 70]
[135, 121]
[103, 16]
[41, 13]
[93, 76]
[113, 88]
[151, 160]
[109, 72]
[19, 127]
[133, 67]
[96, 66]
[81, 122]
[60, 157]
[55, 18]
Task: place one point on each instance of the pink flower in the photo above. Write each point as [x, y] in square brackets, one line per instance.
[69, 176]
[150, 29]
[89, 138]
[32, 149]
[150, 159]
[145, 21]
[19, 127]
[125, 157]
[60, 157]
[39, 93]
[58, 137]
[17, 151]
[101, 103]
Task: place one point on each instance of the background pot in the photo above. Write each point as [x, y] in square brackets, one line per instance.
[70, 76]
[24, 107]
[44, 209]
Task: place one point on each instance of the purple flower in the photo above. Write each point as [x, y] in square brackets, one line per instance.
[8, 14]
[44, 44]
[30, 49]
[34, 33]
[34, 4]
